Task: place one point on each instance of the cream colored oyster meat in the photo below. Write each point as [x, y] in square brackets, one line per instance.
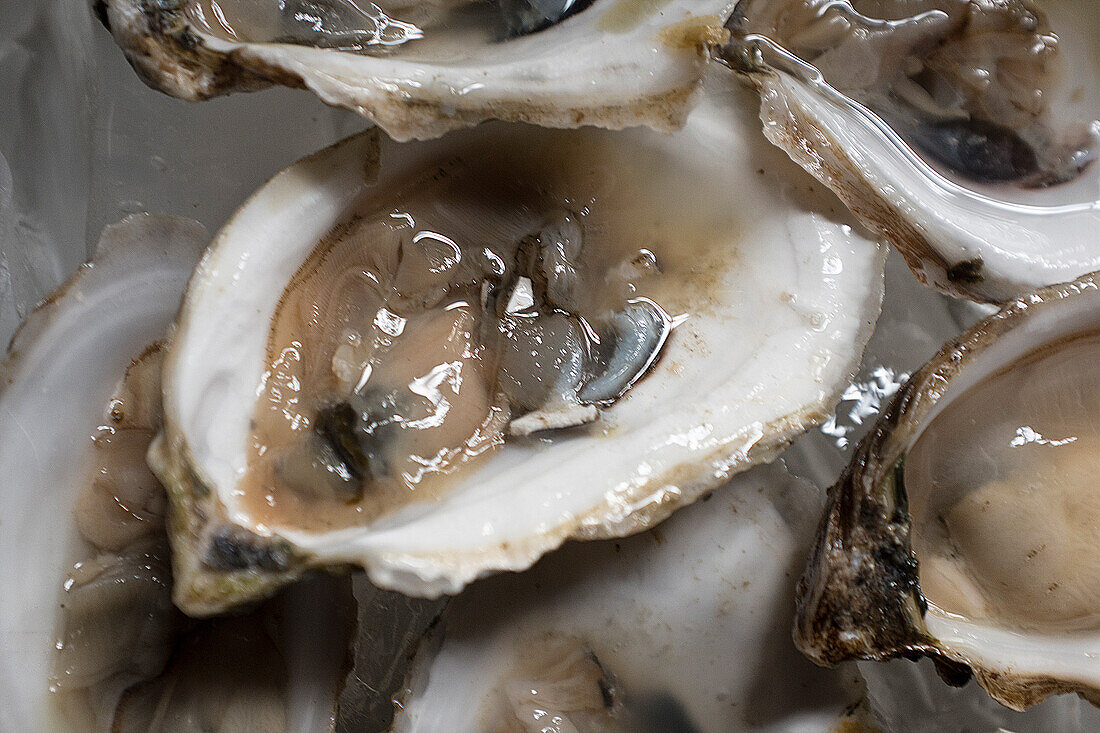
[965, 527]
[421, 69]
[963, 131]
[474, 306]
[447, 361]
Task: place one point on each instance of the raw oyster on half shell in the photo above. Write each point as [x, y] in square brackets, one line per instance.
[442, 359]
[965, 132]
[966, 527]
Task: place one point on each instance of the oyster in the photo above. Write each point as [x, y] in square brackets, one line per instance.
[421, 69]
[638, 634]
[965, 527]
[375, 365]
[139, 272]
[116, 664]
[963, 131]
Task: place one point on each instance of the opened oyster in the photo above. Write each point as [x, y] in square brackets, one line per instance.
[77, 420]
[449, 363]
[420, 69]
[639, 634]
[963, 131]
[965, 527]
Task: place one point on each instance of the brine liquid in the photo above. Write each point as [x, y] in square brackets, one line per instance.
[1004, 486]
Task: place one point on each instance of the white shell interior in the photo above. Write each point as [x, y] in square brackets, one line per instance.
[787, 328]
[699, 611]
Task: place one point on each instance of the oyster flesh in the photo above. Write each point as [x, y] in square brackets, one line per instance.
[965, 527]
[963, 131]
[449, 361]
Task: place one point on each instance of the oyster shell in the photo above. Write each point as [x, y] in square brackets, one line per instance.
[138, 274]
[964, 528]
[962, 131]
[116, 630]
[638, 634]
[608, 63]
[778, 306]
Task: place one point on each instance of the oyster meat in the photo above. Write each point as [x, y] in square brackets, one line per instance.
[420, 69]
[963, 131]
[450, 362]
[965, 527]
